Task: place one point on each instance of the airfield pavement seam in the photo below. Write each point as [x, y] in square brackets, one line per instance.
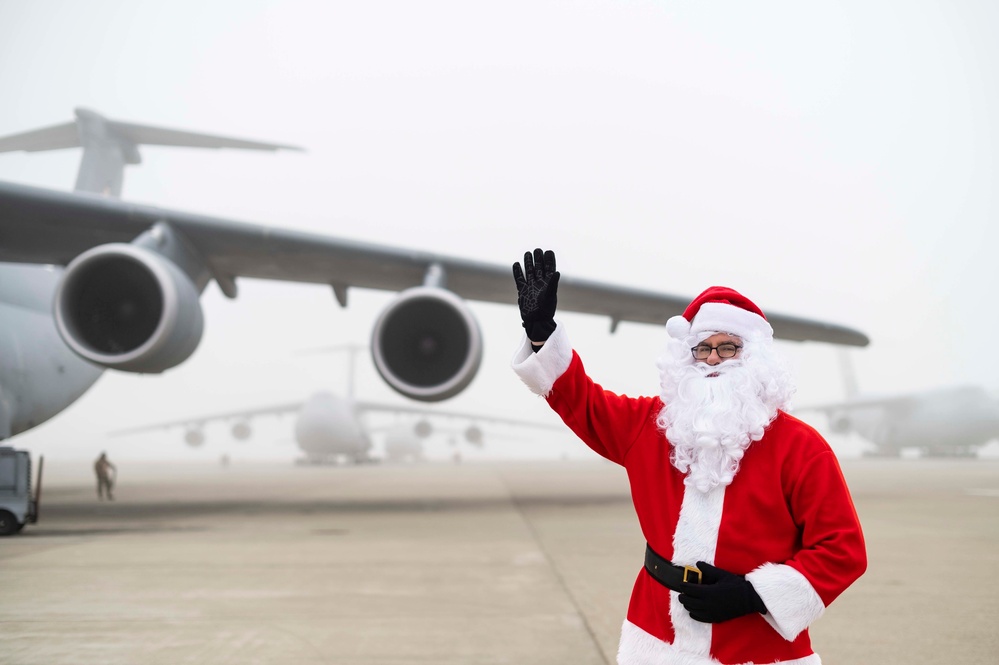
[558, 575]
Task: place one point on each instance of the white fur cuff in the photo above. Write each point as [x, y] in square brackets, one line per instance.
[792, 603]
[540, 370]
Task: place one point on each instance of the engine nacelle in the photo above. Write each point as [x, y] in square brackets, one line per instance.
[474, 435]
[427, 344]
[422, 429]
[128, 308]
[241, 430]
[840, 424]
[194, 437]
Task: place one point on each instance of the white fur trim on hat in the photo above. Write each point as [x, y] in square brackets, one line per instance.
[722, 317]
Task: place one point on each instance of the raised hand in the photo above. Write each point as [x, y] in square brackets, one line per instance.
[537, 286]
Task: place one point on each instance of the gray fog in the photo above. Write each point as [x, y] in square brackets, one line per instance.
[836, 161]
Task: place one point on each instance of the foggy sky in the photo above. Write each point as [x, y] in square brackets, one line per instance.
[833, 160]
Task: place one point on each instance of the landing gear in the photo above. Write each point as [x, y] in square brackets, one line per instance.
[8, 523]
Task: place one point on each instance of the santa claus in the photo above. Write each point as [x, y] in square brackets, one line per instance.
[750, 528]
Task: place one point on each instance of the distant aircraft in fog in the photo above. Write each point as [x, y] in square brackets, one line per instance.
[332, 429]
[947, 422]
[944, 422]
[90, 282]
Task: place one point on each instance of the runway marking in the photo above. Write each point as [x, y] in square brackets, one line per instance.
[984, 492]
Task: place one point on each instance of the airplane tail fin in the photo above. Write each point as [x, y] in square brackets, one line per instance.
[352, 351]
[849, 376]
[109, 145]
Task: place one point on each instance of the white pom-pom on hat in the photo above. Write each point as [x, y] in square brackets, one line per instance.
[678, 327]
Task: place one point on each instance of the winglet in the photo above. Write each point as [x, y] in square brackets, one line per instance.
[108, 145]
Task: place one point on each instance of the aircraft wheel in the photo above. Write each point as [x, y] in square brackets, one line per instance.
[8, 523]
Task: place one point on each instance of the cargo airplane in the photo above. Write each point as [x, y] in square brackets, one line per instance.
[90, 282]
[942, 422]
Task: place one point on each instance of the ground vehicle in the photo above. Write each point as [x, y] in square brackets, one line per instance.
[17, 505]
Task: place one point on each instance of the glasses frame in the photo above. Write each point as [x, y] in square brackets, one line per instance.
[693, 350]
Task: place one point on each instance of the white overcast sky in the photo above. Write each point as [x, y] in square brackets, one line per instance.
[836, 160]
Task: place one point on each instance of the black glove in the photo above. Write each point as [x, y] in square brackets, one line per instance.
[537, 284]
[720, 596]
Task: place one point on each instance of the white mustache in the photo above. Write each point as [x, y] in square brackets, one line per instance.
[706, 370]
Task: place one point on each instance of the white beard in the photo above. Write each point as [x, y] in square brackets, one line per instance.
[711, 420]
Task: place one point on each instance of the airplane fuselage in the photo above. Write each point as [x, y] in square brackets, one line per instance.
[39, 375]
[402, 443]
[327, 427]
[943, 422]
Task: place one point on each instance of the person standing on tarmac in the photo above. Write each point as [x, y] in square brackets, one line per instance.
[106, 474]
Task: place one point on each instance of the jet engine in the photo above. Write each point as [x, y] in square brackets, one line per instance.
[474, 435]
[840, 424]
[423, 429]
[128, 308]
[194, 437]
[427, 344]
[241, 430]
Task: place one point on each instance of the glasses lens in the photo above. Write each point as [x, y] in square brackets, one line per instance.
[701, 352]
[727, 350]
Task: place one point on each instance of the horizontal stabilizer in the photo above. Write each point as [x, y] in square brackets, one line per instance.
[109, 145]
[68, 135]
[146, 135]
[56, 137]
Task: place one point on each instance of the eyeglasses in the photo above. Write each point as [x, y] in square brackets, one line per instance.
[726, 350]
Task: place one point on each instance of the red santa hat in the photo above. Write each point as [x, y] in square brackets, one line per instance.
[721, 309]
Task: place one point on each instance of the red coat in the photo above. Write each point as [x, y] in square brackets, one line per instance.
[786, 521]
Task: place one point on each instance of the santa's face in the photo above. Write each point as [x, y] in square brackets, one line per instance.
[711, 350]
[715, 407]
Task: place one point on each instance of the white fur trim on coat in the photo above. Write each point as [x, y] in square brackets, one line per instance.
[792, 603]
[639, 648]
[540, 370]
[695, 539]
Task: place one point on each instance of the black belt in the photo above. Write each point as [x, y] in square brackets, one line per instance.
[668, 574]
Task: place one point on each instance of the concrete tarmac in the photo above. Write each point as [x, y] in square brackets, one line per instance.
[513, 562]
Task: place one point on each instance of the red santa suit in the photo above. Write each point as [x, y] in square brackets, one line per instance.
[786, 522]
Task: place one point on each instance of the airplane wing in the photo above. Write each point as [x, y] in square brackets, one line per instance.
[128, 294]
[892, 403]
[361, 406]
[955, 398]
[351, 406]
[51, 227]
[204, 419]
[384, 407]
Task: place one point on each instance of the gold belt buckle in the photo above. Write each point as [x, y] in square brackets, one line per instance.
[691, 570]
